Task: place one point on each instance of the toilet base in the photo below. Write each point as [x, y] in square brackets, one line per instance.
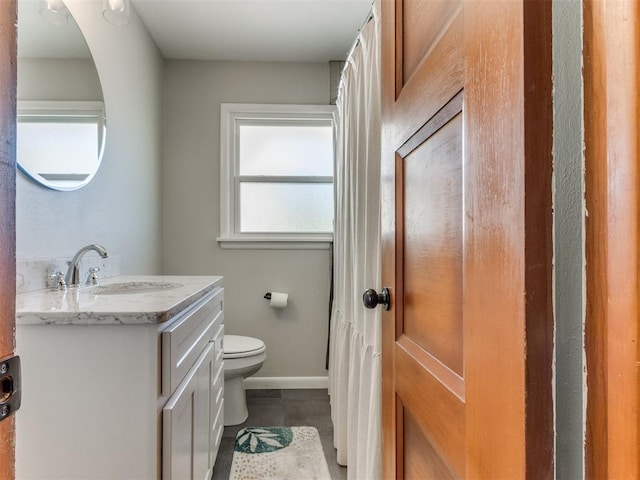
[235, 402]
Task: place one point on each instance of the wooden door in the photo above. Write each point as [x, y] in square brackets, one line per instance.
[612, 178]
[467, 239]
[7, 212]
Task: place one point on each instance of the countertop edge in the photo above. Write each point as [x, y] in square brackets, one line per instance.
[124, 316]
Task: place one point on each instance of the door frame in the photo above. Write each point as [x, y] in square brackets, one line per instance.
[611, 134]
[7, 214]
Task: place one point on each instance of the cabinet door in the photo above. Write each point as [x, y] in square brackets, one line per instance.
[202, 415]
[185, 422]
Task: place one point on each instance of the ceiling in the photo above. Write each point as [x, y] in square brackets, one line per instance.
[232, 30]
[254, 30]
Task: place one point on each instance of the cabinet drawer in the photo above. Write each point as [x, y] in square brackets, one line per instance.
[218, 384]
[217, 339]
[185, 339]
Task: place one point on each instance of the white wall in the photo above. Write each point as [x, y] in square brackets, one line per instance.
[568, 238]
[296, 337]
[121, 207]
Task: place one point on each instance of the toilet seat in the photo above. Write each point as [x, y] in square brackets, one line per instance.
[237, 346]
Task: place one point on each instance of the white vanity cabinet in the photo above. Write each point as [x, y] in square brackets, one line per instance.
[107, 396]
[192, 418]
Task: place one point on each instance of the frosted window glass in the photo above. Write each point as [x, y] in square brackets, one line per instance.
[58, 148]
[286, 207]
[286, 150]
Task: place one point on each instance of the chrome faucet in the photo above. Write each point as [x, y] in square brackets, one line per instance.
[72, 277]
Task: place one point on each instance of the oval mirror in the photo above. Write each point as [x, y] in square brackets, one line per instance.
[61, 118]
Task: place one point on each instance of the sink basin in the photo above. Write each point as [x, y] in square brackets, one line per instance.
[126, 288]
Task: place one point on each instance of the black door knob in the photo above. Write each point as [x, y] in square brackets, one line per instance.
[372, 299]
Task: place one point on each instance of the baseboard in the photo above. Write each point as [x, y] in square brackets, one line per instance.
[264, 383]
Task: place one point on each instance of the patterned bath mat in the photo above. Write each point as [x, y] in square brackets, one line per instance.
[278, 453]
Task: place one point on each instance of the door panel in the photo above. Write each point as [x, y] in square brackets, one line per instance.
[437, 410]
[421, 459]
[422, 24]
[466, 228]
[437, 80]
[432, 181]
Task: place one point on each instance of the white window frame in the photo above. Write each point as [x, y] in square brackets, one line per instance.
[232, 115]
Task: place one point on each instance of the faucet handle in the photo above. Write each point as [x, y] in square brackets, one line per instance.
[59, 283]
[92, 279]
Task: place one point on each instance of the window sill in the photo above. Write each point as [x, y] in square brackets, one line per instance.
[315, 242]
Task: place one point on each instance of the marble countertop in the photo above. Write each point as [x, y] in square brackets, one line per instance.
[143, 299]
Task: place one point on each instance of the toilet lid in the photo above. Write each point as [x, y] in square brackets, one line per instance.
[236, 346]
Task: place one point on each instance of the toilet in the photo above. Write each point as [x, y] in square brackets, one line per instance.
[243, 356]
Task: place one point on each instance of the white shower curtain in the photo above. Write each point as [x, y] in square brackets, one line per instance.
[354, 355]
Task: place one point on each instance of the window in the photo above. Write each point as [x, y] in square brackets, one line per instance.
[60, 143]
[276, 176]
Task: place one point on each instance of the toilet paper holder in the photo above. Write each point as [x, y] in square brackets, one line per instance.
[277, 299]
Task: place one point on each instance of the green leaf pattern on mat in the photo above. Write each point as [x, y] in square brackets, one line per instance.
[263, 440]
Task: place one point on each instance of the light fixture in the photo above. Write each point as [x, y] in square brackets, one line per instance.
[54, 11]
[116, 12]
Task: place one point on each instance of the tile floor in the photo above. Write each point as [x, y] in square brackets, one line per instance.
[286, 408]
